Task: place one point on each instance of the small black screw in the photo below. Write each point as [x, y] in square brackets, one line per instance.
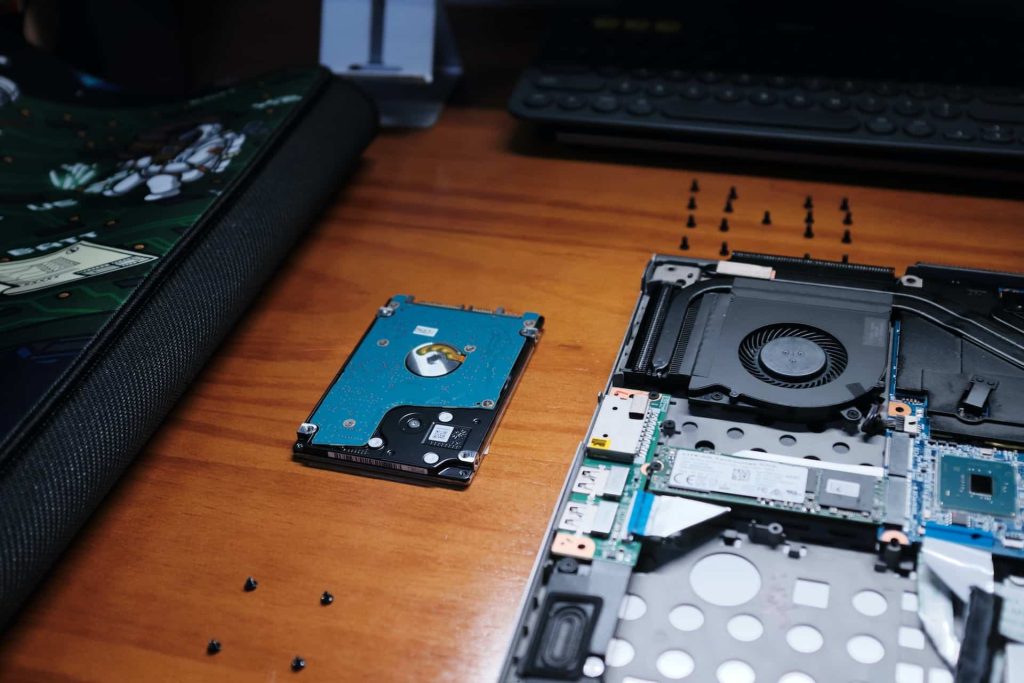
[728, 206]
[691, 222]
[724, 225]
[685, 243]
[732, 193]
[844, 205]
[724, 251]
[808, 203]
[809, 218]
[767, 220]
[807, 256]
[846, 258]
[213, 647]
[692, 204]
[852, 414]
[250, 584]
[298, 664]
[809, 231]
[848, 219]
[847, 239]
[326, 598]
[694, 186]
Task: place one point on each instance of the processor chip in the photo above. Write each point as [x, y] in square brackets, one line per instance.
[975, 485]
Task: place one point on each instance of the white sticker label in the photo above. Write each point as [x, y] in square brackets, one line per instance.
[440, 433]
[77, 262]
[425, 331]
[843, 488]
[702, 471]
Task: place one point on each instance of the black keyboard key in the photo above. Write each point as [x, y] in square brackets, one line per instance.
[848, 87]
[815, 84]
[1010, 96]
[658, 89]
[945, 110]
[957, 93]
[537, 100]
[624, 86]
[694, 92]
[881, 125]
[919, 128]
[572, 102]
[582, 83]
[677, 75]
[959, 134]
[885, 89]
[605, 104]
[640, 107]
[642, 73]
[729, 94]
[710, 76]
[772, 118]
[780, 81]
[923, 91]
[836, 103]
[999, 134]
[907, 106]
[799, 100]
[871, 104]
[764, 98]
[744, 79]
[996, 113]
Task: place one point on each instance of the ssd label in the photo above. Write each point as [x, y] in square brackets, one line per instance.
[843, 488]
[702, 471]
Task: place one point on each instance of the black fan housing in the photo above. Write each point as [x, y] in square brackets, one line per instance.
[793, 349]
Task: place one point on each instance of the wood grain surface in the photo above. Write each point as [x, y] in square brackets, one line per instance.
[427, 581]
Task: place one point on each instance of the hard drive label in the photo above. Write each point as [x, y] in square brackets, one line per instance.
[702, 471]
[440, 433]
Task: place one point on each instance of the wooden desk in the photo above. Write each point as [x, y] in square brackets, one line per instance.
[427, 582]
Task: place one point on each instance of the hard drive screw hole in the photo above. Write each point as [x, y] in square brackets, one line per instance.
[469, 348]
[382, 342]
[488, 403]
[349, 423]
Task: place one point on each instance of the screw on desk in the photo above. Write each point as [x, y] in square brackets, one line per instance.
[326, 598]
[844, 205]
[692, 204]
[691, 222]
[767, 219]
[847, 239]
[848, 219]
[250, 584]
[724, 251]
[694, 186]
[809, 203]
[298, 664]
[724, 225]
[809, 232]
[684, 244]
[213, 647]
[732, 193]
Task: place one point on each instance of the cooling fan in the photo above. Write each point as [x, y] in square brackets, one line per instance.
[793, 356]
[792, 350]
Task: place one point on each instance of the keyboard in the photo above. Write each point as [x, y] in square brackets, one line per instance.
[616, 81]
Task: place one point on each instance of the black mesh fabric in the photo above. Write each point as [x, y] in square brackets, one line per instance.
[50, 486]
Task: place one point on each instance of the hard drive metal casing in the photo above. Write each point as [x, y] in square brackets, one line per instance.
[421, 395]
